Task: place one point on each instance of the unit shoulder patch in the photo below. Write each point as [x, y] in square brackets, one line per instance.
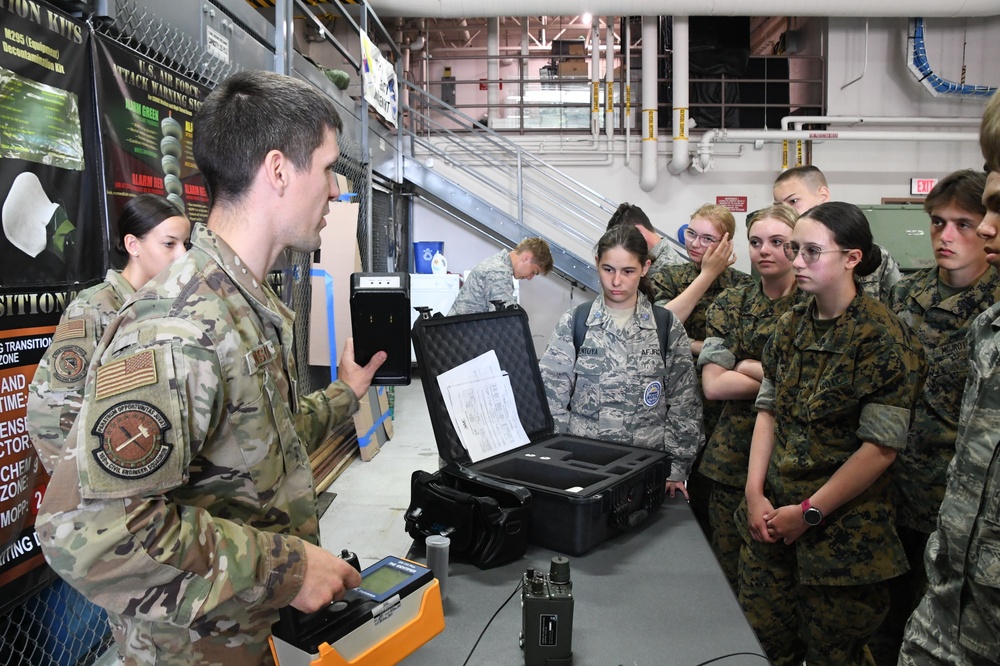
[69, 364]
[131, 444]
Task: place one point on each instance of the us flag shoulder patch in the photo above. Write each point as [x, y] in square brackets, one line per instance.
[67, 330]
[126, 374]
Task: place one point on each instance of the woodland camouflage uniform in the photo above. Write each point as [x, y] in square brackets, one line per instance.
[740, 322]
[958, 620]
[187, 476]
[821, 598]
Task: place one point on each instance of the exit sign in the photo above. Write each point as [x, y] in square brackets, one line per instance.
[922, 185]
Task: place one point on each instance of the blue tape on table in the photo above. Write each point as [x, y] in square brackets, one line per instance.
[331, 329]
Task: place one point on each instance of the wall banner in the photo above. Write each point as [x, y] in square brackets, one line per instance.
[145, 113]
[379, 81]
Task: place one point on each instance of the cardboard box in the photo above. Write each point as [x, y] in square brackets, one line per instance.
[372, 422]
[573, 68]
[331, 285]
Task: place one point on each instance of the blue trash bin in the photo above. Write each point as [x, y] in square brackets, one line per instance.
[423, 253]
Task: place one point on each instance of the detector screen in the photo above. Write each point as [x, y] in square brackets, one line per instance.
[383, 579]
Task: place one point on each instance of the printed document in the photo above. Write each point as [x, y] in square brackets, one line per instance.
[480, 403]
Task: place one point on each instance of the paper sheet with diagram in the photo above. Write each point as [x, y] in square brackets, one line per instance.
[480, 403]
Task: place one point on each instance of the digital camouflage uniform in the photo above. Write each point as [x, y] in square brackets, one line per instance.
[919, 473]
[619, 389]
[740, 322]
[879, 284]
[958, 620]
[668, 285]
[821, 598]
[56, 391]
[490, 280]
[185, 496]
[664, 254]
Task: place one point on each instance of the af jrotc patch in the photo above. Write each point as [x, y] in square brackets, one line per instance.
[131, 439]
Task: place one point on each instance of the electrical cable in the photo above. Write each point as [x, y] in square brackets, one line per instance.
[489, 622]
[733, 654]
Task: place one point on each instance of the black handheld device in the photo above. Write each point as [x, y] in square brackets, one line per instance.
[547, 615]
[380, 321]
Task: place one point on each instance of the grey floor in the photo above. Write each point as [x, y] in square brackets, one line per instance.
[366, 517]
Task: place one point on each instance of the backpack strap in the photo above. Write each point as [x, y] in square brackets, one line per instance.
[663, 317]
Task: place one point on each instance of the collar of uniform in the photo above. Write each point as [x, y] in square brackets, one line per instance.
[599, 312]
[839, 338]
[259, 294]
[118, 282]
[654, 253]
[979, 296]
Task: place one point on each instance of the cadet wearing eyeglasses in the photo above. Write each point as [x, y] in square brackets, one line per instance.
[841, 374]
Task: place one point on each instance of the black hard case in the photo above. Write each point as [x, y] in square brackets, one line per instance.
[620, 484]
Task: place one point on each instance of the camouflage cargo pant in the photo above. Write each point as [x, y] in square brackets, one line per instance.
[823, 625]
[726, 540]
[905, 593]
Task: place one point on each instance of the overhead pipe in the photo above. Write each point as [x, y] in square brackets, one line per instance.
[840, 8]
[492, 68]
[921, 68]
[681, 158]
[595, 76]
[650, 101]
[794, 122]
[627, 66]
[704, 162]
[609, 78]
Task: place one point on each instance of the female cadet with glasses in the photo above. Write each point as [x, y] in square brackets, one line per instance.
[687, 290]
[841, 374]
[740, 322]
[620, 385]
[151, 234]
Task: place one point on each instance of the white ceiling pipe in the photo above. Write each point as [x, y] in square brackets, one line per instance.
[846, 8]
[772, 136]
[595, 76]
[650, 100]
[492, 69]
[791, 122]
[609, 77]
[681, 158]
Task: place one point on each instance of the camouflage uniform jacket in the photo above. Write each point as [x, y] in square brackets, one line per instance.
[56, 391]
[962, 603]
[619, 388]
[879, 284]
[668, 285]
[664, 254]
[490, 280]
[185, 497]
[857, 383]
[942, 326]
[740, 322]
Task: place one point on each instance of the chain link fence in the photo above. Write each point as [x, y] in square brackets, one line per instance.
[57, 626]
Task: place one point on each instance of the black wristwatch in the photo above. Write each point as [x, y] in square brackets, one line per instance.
[811, 515]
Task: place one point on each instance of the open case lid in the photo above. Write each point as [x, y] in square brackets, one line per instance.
[442, 343]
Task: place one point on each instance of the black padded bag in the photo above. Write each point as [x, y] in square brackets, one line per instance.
[485, 519]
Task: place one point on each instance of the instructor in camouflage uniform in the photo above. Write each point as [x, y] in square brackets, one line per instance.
[620, 386]
[151, 234]
[958, 620]
[939, 304]
[184, 504]
[841, 374]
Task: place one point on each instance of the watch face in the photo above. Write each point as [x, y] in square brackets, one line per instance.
[812, 516]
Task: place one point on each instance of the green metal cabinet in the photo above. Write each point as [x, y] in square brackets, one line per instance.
[904, 231]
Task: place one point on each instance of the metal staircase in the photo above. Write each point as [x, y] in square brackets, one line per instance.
[505, 192]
